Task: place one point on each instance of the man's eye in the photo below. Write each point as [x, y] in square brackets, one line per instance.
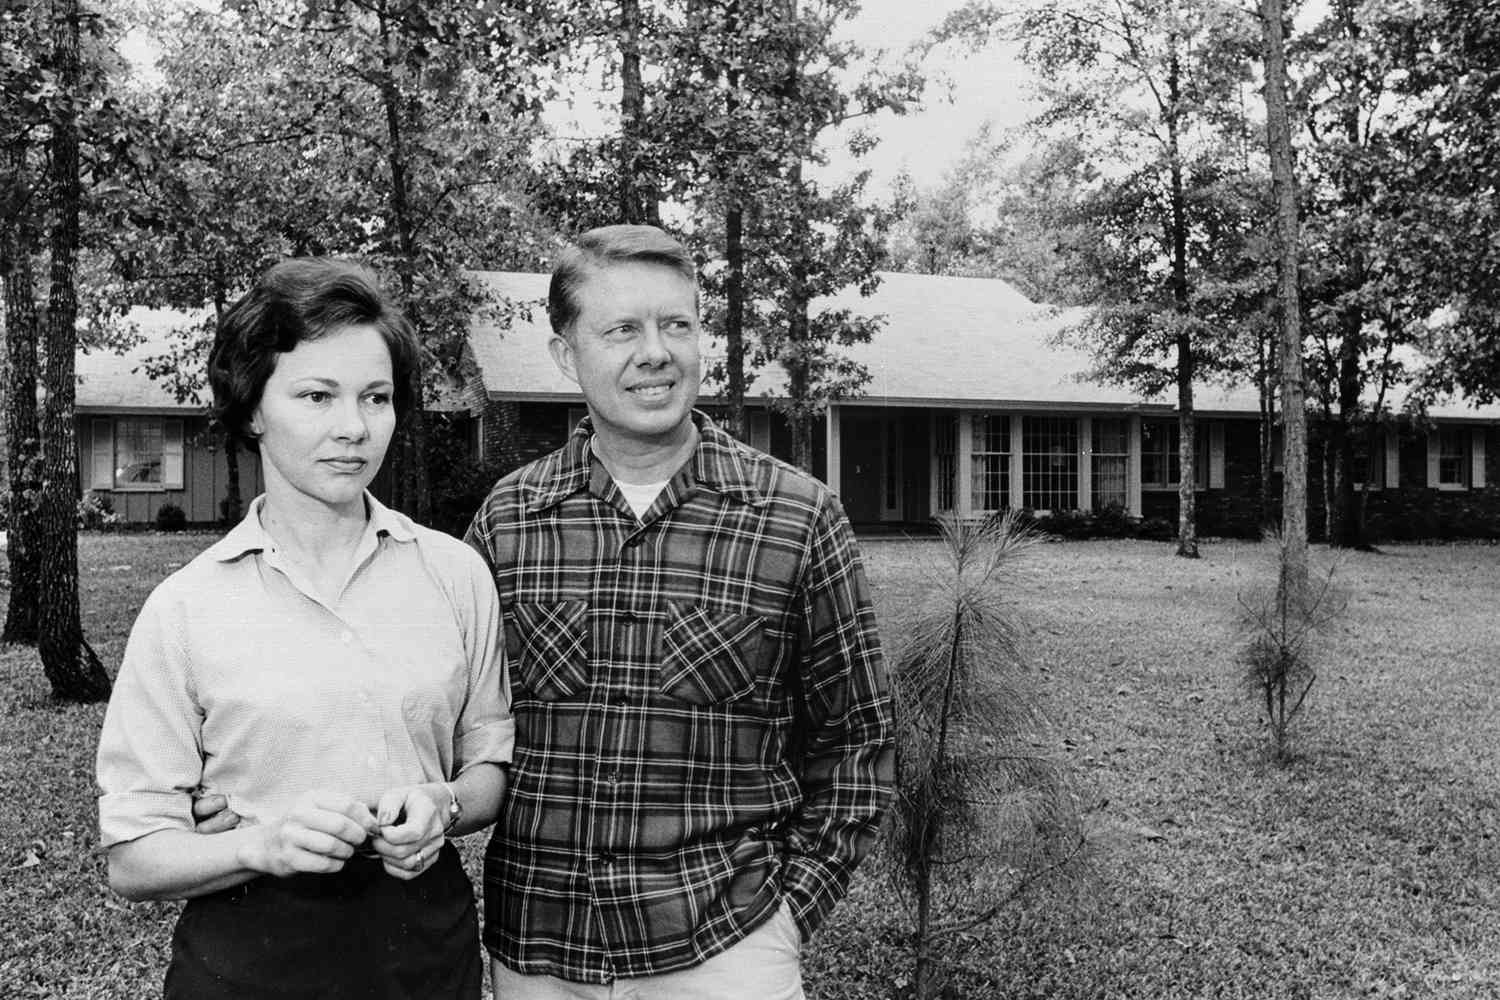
[623, 332]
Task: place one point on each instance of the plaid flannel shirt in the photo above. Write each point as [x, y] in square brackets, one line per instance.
[703, 716]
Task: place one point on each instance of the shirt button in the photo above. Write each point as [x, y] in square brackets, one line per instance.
[606, 860]
[346, 637]
[621, 698]
[630, 617]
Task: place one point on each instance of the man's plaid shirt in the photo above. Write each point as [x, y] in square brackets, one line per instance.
[703, 717]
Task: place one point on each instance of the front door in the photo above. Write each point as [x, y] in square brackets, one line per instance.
[870, 466]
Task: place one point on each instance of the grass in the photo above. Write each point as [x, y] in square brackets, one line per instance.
[1370, 867]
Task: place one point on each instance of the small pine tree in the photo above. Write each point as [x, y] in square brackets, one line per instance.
[974, 788]
[1281, 623]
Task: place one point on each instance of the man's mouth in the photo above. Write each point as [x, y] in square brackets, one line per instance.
[655, 390]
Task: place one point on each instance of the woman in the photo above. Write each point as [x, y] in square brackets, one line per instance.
[329, 667]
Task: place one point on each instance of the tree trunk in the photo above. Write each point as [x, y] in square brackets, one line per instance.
[637, 201]
[794, 356]
[1293, 411]
[69, 663]
[734, 321]
[1265, 363]
[1187, 528]
[1347, 532]
[734, 256]
[233, 505]
[22, 434]
[410, 491]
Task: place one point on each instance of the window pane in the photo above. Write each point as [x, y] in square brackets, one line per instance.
[990, 459]
[138, 451]
[1109, 481]
[1111, 437]
[1050, 463]
[1160, 458]
[946, 446]
[1453, 457]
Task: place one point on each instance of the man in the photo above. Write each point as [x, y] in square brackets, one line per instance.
[704, 738]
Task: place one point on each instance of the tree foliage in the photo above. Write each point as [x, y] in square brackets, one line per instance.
[1148, 94]
[390, 130]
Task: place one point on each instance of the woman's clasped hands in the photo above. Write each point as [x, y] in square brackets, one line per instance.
[324, 829]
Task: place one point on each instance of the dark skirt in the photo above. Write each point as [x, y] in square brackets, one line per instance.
[360, 933]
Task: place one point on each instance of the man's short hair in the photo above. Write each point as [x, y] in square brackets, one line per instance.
[602, 247]
[295, 301]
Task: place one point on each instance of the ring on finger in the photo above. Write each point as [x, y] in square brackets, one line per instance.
[417, 858]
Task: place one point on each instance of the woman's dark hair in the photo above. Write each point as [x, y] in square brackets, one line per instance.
[602, 247]
[299, 300]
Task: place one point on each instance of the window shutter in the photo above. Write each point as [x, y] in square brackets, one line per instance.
[102, 455]
[1216, 456]
[1392, 459]
[1476, 459]
[171, 454]
[1432, 460]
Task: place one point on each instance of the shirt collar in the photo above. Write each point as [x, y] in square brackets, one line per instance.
[250, 535]
[717, 462]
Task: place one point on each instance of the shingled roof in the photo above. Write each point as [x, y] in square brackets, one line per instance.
[117, 382]
[970, 342]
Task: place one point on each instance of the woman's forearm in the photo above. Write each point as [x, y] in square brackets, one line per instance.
[177, 864]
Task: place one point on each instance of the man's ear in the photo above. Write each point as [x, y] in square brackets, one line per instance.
[562, 355]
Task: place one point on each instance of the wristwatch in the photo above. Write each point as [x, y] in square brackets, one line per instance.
[455, 807]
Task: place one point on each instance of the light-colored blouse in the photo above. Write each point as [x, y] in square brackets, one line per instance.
[240, 680]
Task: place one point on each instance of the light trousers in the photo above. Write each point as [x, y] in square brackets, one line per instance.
[764, 965]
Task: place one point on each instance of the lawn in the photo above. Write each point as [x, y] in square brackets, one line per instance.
[1369, 867]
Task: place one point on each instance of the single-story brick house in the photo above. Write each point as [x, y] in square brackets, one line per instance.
[971, 408]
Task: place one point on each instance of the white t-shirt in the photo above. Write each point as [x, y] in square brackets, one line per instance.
[641, 496]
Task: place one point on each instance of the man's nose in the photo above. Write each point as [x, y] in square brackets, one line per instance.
[651, 347]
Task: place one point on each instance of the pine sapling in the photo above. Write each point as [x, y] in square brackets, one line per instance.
[980, 813]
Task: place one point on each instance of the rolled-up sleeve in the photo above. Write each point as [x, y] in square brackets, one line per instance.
[486, 732]
[150, 750]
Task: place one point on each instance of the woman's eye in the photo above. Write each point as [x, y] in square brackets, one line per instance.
[378, 398]
[317, 396]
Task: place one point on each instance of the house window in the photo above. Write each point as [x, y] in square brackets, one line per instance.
[1049, 452]
[1161, 457]
[1111, 464]
[1369, 463]
[991, 462]
[945, 447]
[137, 453]
[1453, 457]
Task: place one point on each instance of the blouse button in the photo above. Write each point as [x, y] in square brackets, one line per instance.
[346, 637]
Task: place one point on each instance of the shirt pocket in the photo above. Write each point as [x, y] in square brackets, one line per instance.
[708, 656]
[549, 645]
